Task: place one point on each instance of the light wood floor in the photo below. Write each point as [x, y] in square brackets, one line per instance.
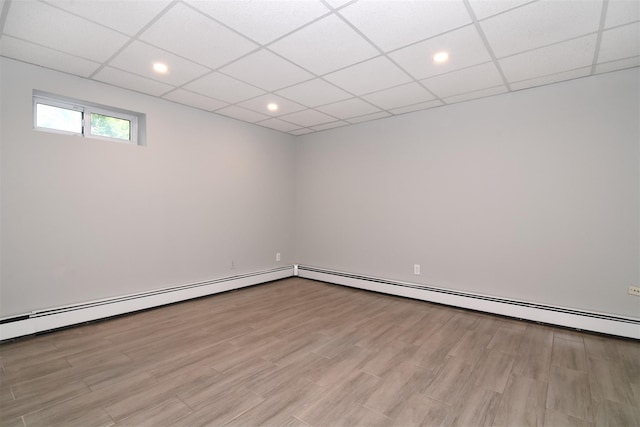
[298, 353]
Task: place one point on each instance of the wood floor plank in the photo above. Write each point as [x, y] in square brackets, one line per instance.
[163, 414]
[419, 410]
[133, 403]
[630, 355]
[91, 417]
[533, 359]
[224, 408]
[303, 353]
[559, 419]
[426, 326]
[399, 385]
[569, 392]
[237, 355]
[567, 334]
[448, 386]
[19, 373]
[379, 363]
[609, 382]
[355, 390]
[350, 414]
[16, 422]
[262, 383]
[600, 348]
[295, 349]
[436, 348]
[278, 409]
[614, 414]
[569, 354]
[472, 345]
[340, 366]
[522, 404]
[201, 396]
[478, 409]
[30, 403]
[507, 340]
[83, 406]
[492, 371]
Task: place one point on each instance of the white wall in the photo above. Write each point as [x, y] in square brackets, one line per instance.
[83, 219]
[532, 195]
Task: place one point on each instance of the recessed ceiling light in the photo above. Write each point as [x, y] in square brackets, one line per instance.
[159, 67]
[272, 107]
[441, 57]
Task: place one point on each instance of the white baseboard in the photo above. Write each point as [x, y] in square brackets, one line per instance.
[44, 320]
[561, 316]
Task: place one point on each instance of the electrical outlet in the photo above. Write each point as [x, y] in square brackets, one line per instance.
[416, 269]
[278, 256]
[634, 290]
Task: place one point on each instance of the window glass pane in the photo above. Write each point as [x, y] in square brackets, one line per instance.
[48, 116]
[110, 127]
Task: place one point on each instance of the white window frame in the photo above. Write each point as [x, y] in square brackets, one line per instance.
[55, 103]
[86, 109]
[133, 125]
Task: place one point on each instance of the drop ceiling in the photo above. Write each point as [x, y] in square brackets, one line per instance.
[326, 63]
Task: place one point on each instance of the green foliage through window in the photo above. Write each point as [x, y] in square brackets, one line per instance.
[110, 127]
[59, 114]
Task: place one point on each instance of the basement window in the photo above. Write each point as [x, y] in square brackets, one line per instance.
[53, 113]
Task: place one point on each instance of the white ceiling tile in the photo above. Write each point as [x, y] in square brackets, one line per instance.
[331, 125]
[622, 12]
[338, 3]
[553, 78]
[267, 71]
[45, 25]
[314, 46]
[194, 100]
[131, 81]
[417, 107]
[375, 74]
[264, 20]
[618, 65]
[541, 23]
[206, 42]
[482, 93]
[314, 92]
[225, 88]
[537, 42]
[308, 118]
[43, 56]
[465, 48]
[125, 16]
[485, 8]
[369, 117]
[139, 58]
[399, 96]
[242, 114]
[350, 108]
[462, 81]
[553, 59]
[391, 24]
[278, 124]
[302, 131]
[260, 103]
[619, 43]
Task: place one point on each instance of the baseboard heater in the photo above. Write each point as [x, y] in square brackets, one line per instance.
[561, 316]
[44, 320]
